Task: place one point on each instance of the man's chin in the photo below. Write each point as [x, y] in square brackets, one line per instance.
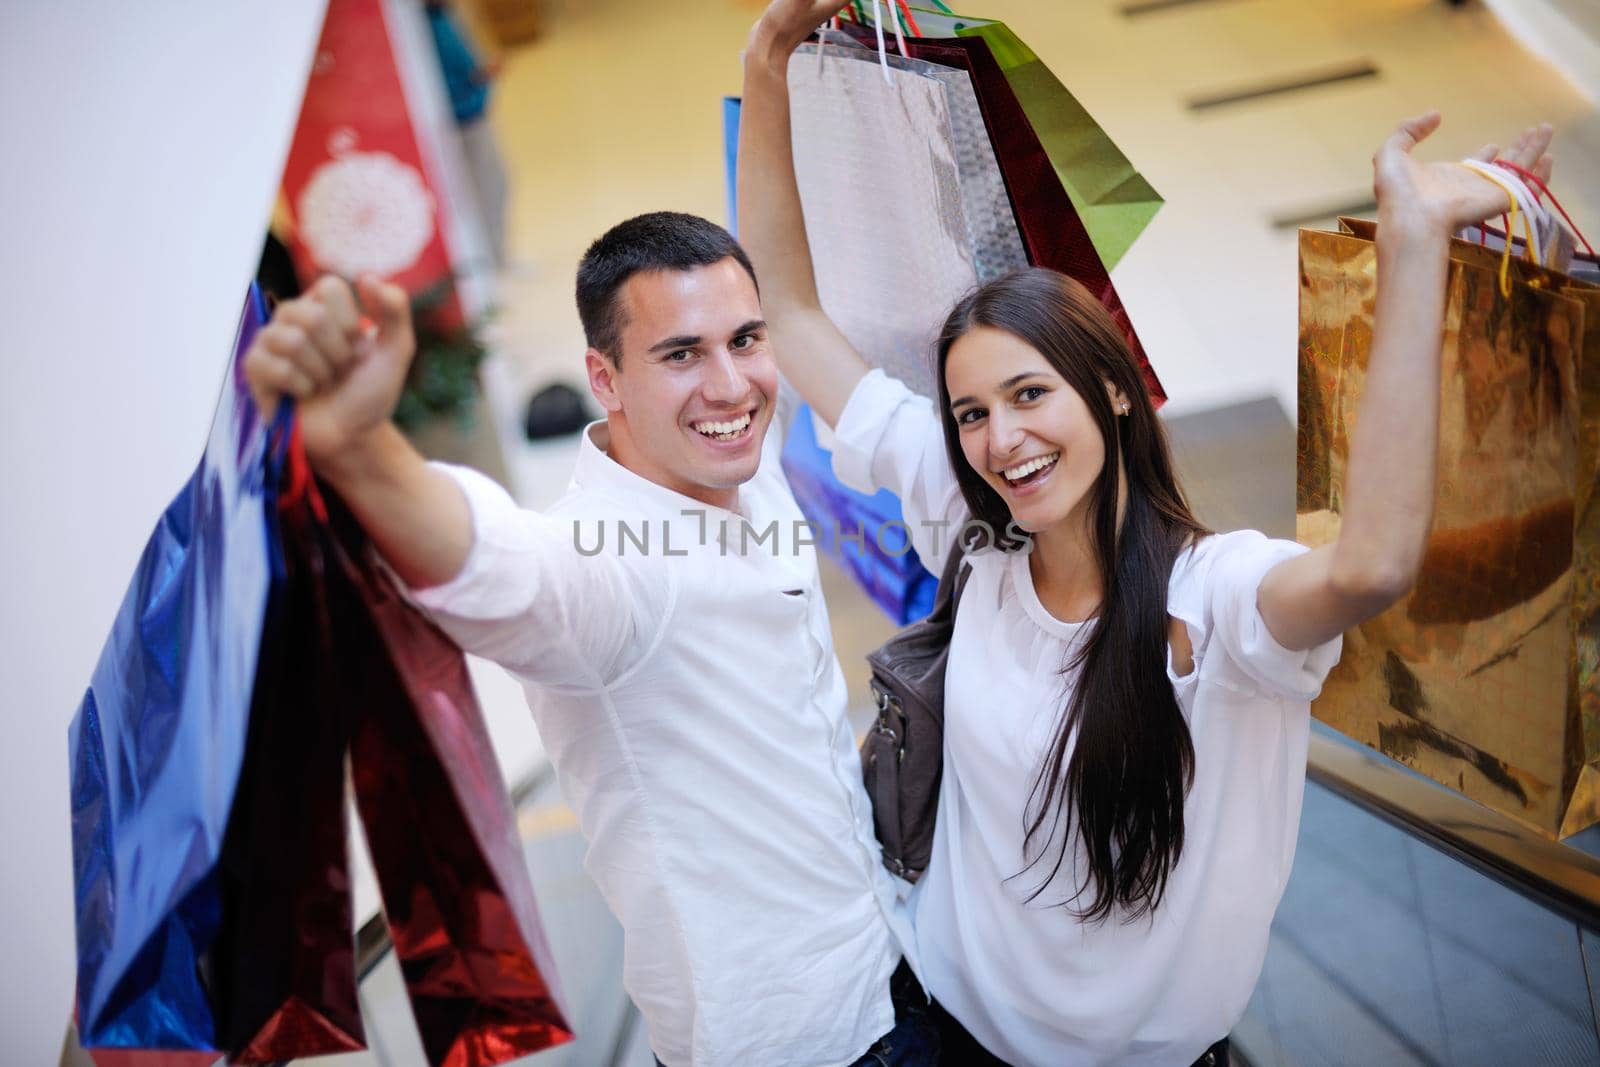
[730, 474]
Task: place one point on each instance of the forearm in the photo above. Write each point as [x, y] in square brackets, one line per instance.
[771, 222]
[415, 515]
[816, 358]
[1390, 480]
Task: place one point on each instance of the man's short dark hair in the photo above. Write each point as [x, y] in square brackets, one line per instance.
[661, 240]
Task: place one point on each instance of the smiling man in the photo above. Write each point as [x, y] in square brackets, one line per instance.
[683, 680]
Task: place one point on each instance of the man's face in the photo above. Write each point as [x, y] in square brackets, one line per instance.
[694, 393]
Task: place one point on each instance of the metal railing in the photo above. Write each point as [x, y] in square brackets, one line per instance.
[1555, 876]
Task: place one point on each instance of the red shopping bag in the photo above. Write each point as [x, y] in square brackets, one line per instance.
[440, 826]
[283, 982]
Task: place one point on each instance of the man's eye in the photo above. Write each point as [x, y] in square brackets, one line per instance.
[743, 341]
[682, 355]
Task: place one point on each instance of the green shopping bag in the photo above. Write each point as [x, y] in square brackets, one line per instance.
[1112, 197]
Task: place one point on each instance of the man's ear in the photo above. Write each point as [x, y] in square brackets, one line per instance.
[602, 379]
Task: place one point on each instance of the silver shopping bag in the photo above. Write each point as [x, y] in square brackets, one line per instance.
[905, 207]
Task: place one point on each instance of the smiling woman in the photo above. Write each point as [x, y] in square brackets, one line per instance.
[1126, 696]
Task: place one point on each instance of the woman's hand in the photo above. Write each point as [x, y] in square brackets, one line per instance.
[1444, 197]
[786, 23]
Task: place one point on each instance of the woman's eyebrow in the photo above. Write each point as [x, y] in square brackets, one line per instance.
[1015, 379]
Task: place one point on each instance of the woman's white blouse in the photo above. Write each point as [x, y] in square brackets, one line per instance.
[1028, 980]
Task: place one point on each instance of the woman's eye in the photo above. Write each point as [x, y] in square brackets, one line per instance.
[1032, 392]
[969, 416]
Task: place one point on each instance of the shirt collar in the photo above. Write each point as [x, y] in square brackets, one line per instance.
[595, 469]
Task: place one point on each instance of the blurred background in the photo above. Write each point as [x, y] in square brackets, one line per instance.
[148, 149]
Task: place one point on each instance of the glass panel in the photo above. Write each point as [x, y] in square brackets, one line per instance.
[1386, 950]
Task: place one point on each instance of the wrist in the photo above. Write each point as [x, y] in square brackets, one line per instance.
[767, 52]
[375, 454]
[1413, 229]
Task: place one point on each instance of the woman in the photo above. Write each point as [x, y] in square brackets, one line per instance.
[1127, 696]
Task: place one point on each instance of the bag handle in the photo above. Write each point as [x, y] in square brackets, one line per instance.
[287, 468]
[1505, 259]
[1528, 175]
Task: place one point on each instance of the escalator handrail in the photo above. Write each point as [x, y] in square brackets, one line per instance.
[1555, 876]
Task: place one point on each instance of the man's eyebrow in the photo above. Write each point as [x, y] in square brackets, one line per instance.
[672, 344]
[753, 326]
[1015, 379]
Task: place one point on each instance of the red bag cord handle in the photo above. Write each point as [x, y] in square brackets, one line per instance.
[911, 21]
[299, 486]
[1529, 175]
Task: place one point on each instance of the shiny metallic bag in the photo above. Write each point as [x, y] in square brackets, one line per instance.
[1484, 677]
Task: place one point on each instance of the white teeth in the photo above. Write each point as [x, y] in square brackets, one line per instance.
[722, 429]
[1022, 470]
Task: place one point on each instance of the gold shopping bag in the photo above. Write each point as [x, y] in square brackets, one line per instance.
[1484, 677]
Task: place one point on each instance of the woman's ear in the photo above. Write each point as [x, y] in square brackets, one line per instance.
[1119, 400]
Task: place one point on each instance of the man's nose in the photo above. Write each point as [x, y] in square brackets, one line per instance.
[724, 382]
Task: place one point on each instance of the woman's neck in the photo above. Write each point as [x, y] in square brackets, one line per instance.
[1066, 575]
[1064, 566]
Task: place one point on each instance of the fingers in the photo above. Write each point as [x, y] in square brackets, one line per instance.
[1531, 146]
[272, 376]
[1405, 137]
[339, 301]
[1414, 131]
[1544, 167]
[792, 20]
[302, 332]
[307, 347]
[289, 343]
[1486, 154]
[388, 306]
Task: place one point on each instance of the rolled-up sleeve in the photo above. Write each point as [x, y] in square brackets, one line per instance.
[889, 438]
[527, 599]
[1235, 564]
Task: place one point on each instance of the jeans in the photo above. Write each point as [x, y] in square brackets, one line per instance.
[959, 1047]
[914, 1041]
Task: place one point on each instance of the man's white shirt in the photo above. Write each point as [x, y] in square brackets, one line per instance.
[679, 664]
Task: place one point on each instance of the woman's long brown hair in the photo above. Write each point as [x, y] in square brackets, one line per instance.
[1121, 760]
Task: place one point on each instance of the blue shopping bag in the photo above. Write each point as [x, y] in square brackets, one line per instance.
[853, 527]
[157, 744]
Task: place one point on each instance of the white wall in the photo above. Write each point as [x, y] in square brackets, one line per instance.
[142, 145]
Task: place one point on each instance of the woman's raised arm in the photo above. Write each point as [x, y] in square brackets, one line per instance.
[813, 355]
[1390, 481]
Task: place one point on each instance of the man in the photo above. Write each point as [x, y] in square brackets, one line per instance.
[667, 619]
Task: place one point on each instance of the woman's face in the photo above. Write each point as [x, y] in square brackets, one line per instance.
[1025, 431]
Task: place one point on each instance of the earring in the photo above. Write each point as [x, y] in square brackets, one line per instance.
[1124, 407]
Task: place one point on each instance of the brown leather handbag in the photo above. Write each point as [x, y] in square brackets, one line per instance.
[902, 757]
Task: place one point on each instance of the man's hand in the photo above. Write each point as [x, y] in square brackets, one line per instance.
[1443, 197]
[344, 371]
